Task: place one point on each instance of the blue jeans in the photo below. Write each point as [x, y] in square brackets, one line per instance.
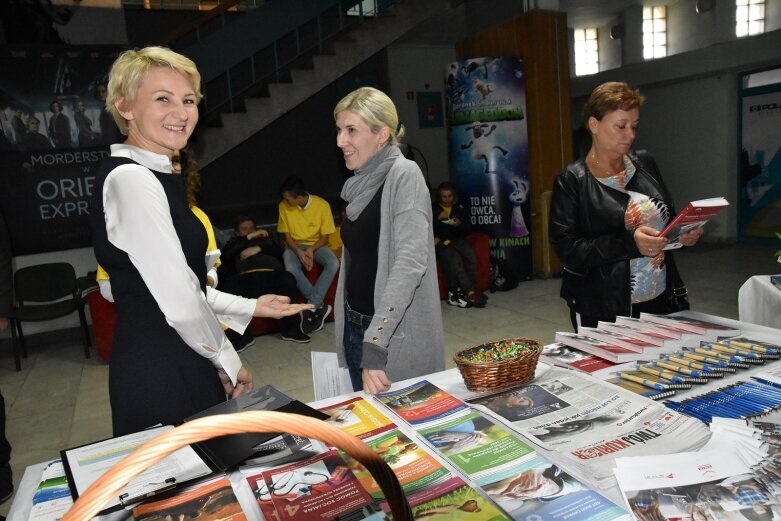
[355, 326]
[325, 258]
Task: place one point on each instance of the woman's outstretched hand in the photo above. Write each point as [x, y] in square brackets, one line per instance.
[277, 306]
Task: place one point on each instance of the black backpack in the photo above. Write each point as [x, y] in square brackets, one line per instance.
[502, 278]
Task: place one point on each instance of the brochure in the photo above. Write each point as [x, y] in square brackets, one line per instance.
[685, 337]
[318, 488]
[476, 445]
[538, 489]
[422, 404]
[415, 468]
[597, 347]
[212, 499]
[563, 355]
[358, 417]
[700, 327]
[707, 485]
[52, 497]
[666, 342]
[453, 500]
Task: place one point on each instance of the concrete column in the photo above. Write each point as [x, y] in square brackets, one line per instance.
[725, 21]
[632, 42]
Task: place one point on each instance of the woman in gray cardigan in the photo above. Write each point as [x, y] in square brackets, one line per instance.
[388, 317]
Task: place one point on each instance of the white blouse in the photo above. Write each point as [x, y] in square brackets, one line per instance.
[138, 222]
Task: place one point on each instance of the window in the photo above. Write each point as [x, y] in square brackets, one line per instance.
[749, 17]
[586, 52]
[654, 32]
[365, 8]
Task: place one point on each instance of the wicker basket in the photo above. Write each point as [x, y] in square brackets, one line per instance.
[493, 376]
[108, 486]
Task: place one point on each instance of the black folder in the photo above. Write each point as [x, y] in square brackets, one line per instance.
[228, 452]
[219, 454]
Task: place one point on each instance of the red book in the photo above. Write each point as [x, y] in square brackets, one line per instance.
[694, 216]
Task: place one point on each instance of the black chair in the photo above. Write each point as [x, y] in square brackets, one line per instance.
[45, 292]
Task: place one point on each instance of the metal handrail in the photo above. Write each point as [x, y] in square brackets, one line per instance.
[229, 60]
[194, 25]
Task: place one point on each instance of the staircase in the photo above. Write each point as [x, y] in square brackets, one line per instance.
[357, 45]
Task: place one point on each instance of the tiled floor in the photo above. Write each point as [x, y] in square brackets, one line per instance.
[60, 399]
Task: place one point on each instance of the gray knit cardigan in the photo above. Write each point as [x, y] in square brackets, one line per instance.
[407, 322]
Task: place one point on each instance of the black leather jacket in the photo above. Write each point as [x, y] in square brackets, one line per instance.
[589, 235]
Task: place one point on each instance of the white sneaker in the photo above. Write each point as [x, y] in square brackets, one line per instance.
[458, 299]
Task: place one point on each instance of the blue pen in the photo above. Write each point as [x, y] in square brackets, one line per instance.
[725, 348]
[678, 369]
[667, 375]
[770, 391]
[683, 409]
[704, 350]
[731, 360]
[719, 365]
[755, 401]
[705, 368]
[644, 382]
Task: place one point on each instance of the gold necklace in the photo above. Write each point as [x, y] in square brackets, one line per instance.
[604, 168]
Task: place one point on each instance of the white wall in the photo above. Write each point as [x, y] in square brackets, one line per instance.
[691, 131]
[420, 68]
[690, 119]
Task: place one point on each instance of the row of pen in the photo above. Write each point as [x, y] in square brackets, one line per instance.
[712, 361]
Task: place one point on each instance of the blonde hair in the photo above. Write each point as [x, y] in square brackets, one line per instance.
[375, 108]
[129, 70]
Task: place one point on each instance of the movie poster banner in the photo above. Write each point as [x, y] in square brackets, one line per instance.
[489, 153]
[54, 132]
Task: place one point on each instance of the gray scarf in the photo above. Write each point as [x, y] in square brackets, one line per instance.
[359, 190]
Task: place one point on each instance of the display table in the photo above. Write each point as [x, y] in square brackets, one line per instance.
[449, 380]
[759, 302]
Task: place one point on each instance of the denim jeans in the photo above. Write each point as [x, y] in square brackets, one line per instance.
[325, 258]
[355, 326]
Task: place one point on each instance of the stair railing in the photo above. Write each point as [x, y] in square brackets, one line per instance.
[242, 45]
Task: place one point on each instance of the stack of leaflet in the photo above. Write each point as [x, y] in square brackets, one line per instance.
[705, 485]
[211, 498]
[420, 474]
[683, 337]
[322, 483]
[646, 338]
[52, 497]
[598, 347]
[319, 487]
[522, 483]
[428, 485]
[473, 444]
[664, 341]
[569, 357]
[586, 423]
[736, 475]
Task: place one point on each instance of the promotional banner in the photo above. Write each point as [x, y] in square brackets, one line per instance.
[760, 175]
[54, 132]
[489, 154]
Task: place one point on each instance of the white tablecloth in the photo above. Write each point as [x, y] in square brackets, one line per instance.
[449, 380]
[759, 302]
